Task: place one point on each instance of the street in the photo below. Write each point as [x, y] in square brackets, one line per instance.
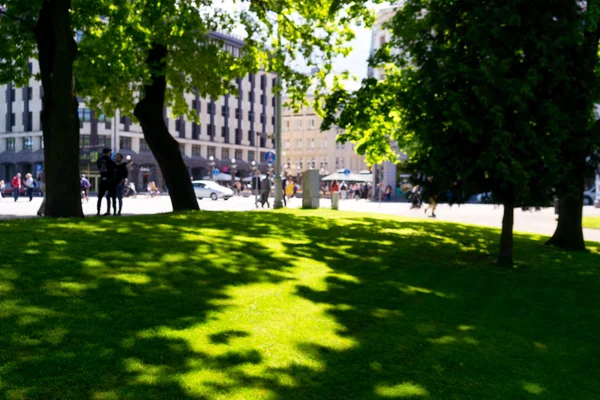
[541, 222]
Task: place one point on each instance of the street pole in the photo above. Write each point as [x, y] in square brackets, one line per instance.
[278, 185]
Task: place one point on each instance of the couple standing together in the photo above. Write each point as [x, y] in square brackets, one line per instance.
[113, 175]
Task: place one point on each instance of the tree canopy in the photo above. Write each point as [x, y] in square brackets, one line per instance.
[472, 92]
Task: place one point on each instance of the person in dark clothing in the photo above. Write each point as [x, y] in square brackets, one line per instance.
[121, 177]
[108, 184]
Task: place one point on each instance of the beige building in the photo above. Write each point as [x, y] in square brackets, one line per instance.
[305, 147]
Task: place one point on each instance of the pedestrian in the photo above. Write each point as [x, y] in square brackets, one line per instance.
[42, 180]
[107, 169]
[16, 185]
[265, 191]
[343, 190]
[85, 187]
[121, 179]
[29, 185]
[334, 188]
[2, 186]
[290, 188]
[388, 193]
[432, 205]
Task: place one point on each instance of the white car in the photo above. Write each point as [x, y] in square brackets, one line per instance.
[212, 190]
[589, 197]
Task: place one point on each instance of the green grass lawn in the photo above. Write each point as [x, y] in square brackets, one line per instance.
[591, 222]
[291, 305]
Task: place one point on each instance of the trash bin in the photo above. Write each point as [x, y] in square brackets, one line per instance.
[335, 200]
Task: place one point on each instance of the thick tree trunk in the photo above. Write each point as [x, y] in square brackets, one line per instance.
[149, 111]
[60, 122]
[505, 258]
[569, 231]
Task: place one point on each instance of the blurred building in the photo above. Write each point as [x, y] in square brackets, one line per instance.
[238, 126]
[380, 35]
[305, 147]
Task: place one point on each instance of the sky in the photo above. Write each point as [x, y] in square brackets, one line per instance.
[356, 62]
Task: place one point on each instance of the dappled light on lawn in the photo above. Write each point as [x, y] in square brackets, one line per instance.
[290, 305]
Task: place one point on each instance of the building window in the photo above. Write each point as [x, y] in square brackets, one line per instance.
[28, 143]
[312, 143]
[273, 101]
[144, 146]
[195, 131]
[211, 151]
[238, 136]
[263, 99]
[274, 82]
[104, 141]
[298, 143]
[238, 113]
[196, 105]
[42, 142]
[224, 154]
[13, 119]
[311, 124]
[224, 132]
[286, 144]
[30, 68]
[224, 111]
[196, 150]
[209, 129]
[263, 82]
[125, 143]
[28, 121]
[182, 148]
[238, 154]
[273, 120]
[298, 124]
[250, 155]
[251, 97]
[286, 126]
[210, 108]
[85, 115]
[263, 119]
[107, 121]
[85, 141]
[251, 116]
[251, 78]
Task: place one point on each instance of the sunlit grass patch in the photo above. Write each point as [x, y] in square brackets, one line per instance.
[591, 222]
[300, 305]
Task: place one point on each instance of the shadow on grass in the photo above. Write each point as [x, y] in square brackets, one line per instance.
[290, 306]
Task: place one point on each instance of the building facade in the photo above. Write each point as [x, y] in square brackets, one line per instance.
[386, 172]
[237, 126]
[305, 147]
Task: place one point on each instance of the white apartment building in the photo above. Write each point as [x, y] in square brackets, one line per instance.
[239, 126]
[305, 147]
[380, 35]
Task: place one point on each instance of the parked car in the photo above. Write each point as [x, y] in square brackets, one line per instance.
[484, 198]
[589, 197]
[8, 190]
[212, 190]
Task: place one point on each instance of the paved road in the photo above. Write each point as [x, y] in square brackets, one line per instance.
[541, 222]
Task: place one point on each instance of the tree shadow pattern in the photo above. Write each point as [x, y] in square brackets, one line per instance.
[146, 308]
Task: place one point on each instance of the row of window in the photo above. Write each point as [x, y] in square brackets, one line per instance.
[27, 143]
[311, 125]
[312, 163]
[310, 144]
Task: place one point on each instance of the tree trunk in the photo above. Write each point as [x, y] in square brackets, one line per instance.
[60, 122]
[569, 231]
[505, 258]
[149, 111]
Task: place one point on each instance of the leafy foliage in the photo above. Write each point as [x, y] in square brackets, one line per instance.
[111, 70]
[472, 91]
